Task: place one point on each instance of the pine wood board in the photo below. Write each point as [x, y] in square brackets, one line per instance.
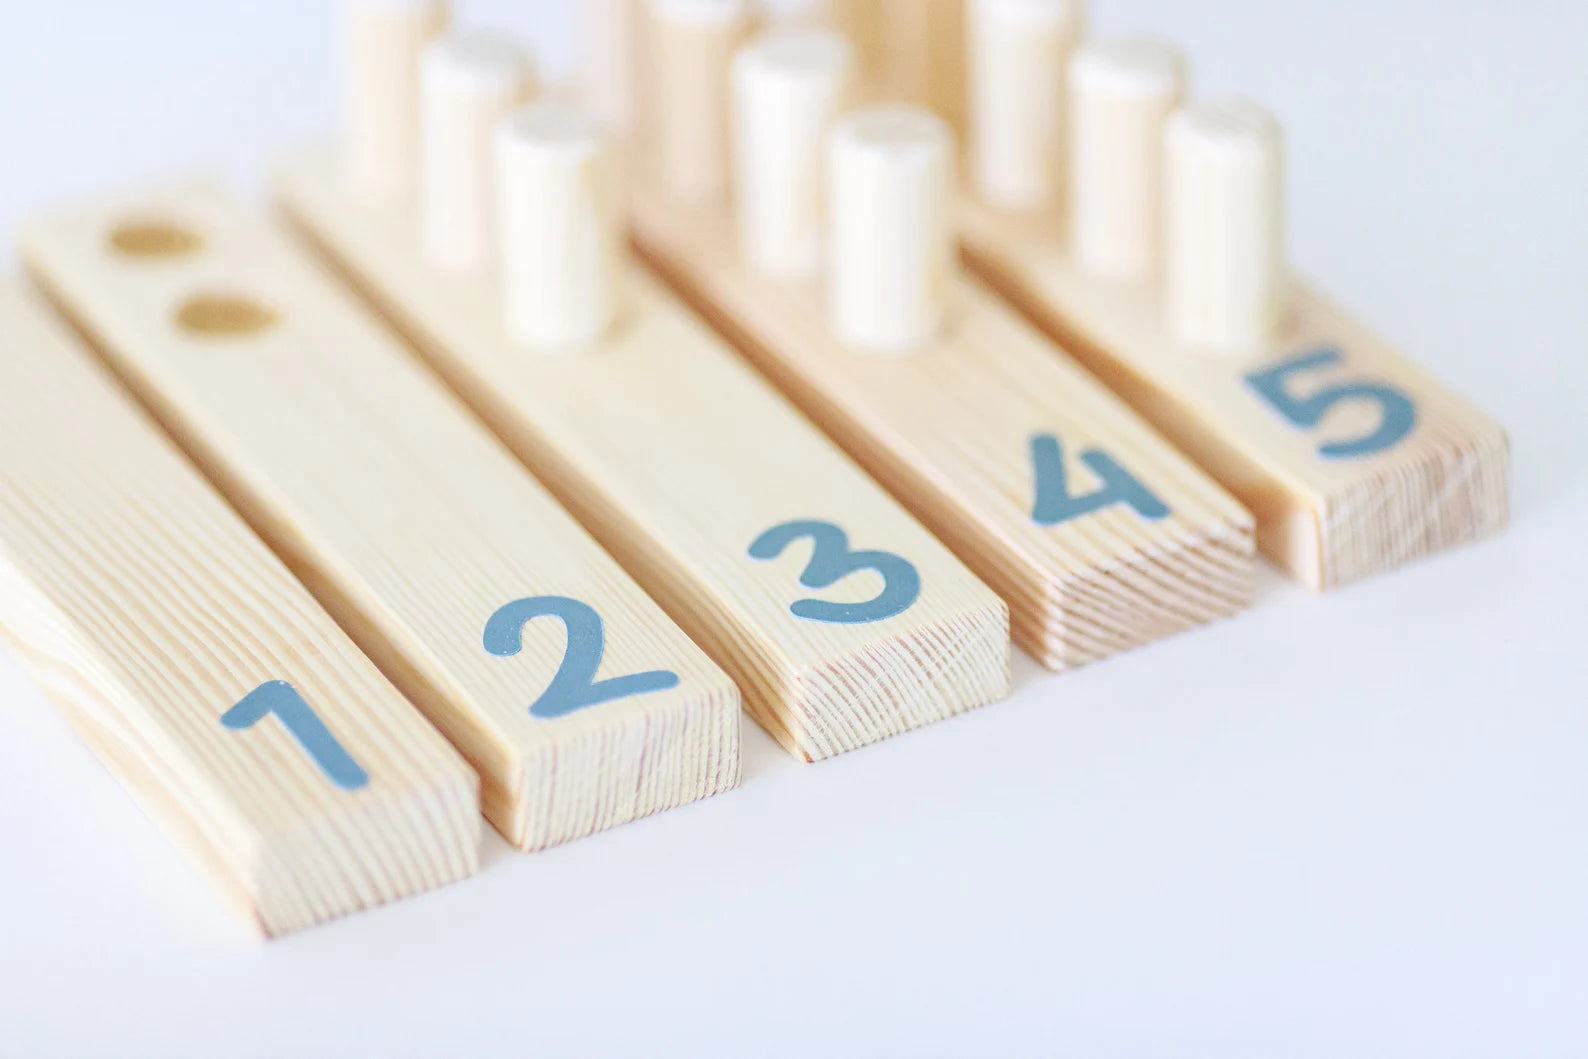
[949, 429]
[678, 458]
[412, 524]
[147, 610]
[1326, 520]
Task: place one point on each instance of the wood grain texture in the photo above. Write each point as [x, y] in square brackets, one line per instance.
[146, 609]
[409, 521]
[948, 429]
[677, 458]
[1326, 522]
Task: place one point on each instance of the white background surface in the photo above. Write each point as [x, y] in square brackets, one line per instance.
[1340, 826]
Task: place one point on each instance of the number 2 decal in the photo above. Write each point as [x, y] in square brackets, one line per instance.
[1054, 503]
[574, 686]
[282, 699]
[1397, 412]
[831, 561]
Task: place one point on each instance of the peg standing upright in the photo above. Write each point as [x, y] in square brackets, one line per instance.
[382, 42]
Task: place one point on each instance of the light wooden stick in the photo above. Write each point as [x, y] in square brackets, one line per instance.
[1224, 226]
[787, 89]
[444, 559]
[891, 197]
[199, 670]
[1121, 94]
[1019, 52]
[469, 83]
[561, 237]
[613, 61]
[690, 46]
[382, 43]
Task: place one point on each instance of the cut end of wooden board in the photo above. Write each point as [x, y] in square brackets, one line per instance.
[724, 503]
[991, 437]
[579, 702]
[196, 668]
[1353, 459]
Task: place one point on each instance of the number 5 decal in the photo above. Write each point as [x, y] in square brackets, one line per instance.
[574, 686]
[1397, 412]
[832, 561]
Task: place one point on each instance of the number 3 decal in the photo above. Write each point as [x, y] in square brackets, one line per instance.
[831, 561]
[575, 686]
[1397, 412]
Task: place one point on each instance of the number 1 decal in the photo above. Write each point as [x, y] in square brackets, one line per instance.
[1397, 413]
[282, 699]
[831, 561]
[1054, 502]
[574, 686]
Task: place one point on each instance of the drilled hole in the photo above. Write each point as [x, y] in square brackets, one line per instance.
[225, 315]
[156, 239]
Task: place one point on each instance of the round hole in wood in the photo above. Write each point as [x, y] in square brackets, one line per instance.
[156, 238]
[225, 316]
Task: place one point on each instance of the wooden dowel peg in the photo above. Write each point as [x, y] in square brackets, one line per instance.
[613, 72]
[1019, 51]
[890, 198]
[382, 42]
[1121, 94]
[1224, 225]
[788, 88]
[560, 237]
[690, 44]
[468, 83]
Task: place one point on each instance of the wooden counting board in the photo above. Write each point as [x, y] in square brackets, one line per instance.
[199, 671]
[417, 530]
[1099, 535]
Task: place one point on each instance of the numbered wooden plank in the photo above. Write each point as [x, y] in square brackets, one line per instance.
[1352, 458]
[1098, 534]
[201, 673]
[842, 618]
[579, 702]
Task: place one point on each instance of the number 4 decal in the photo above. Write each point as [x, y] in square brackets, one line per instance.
[1054, 502]
[1397, 413]
[574, 686]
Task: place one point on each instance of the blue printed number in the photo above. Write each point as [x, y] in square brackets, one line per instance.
[1054, 502]
[1397, 412]
[575, 686]
[832, 561]
[282, 699]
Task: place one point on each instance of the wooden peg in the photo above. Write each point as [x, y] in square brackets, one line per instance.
[1018, 53]
[561, 239]
[469, 82]
[613, 76]
[1098, 534]
[843, 620]
[690, 44]
[1224, 226]
[859, 22]
[788, 88]
[891, 195]
[382, 41]
[233, 709]
[921, 61]
[580, 704]
[1121, 94]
